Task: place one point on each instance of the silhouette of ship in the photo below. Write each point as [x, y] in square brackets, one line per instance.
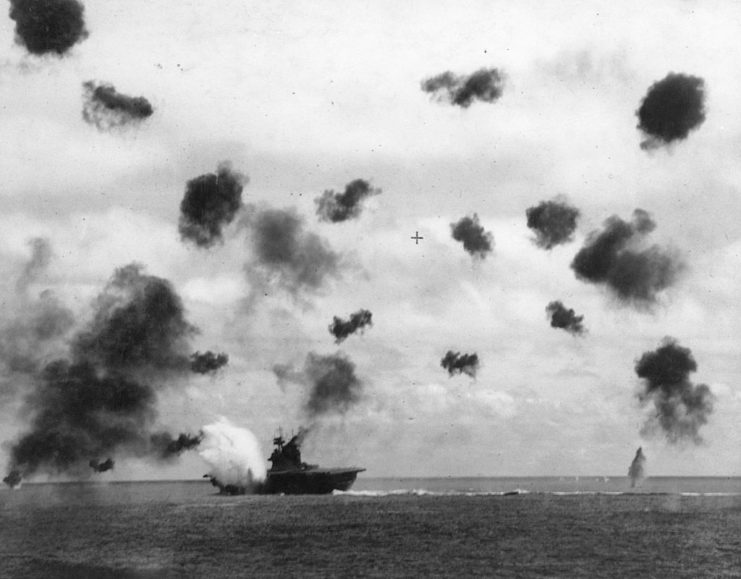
[289, 475]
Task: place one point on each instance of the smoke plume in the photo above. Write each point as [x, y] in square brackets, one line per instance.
[286, 255]
[485, 85]
[637, 470]
[553, 222]
[14, 479]
[32, 326]
[106, 108]
[680, 407]
[101, 399]
[208, 362]
[98, 466]
[475, 240]
[333, 387]
[48, 26]
[41, 256]
[672, 108]
[341, 329]
[564, 318]
[139, 325]
[457, 363]
[234, 456]
[210, 203]
[33, 332]
[336, 207]
[617, 257]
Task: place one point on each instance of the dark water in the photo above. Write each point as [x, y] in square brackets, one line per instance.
[384, 527]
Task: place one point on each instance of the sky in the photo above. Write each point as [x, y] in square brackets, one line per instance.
[302, 98]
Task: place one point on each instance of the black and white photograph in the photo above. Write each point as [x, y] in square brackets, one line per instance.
[370, 289]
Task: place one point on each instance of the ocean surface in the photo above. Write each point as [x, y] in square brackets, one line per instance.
[448, 527]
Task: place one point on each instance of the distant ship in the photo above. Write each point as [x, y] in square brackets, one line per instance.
[289, 475]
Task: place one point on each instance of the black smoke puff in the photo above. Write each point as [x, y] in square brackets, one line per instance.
[680, 408]
[565, 318]
[105, 108]
[210, 203]
[457, 363]
[484, 85]
[672, 108]
[553, 222]
[471, 233]
[48, 26]
[338, 207]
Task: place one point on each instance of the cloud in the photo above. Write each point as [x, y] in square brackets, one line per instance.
[210, 203]
[337, 207]
[564, 318]
[672, 108]
[48, 26]
[457, 363]
[341, 329]
[485, 85]
[106, 108]
[475, 240]
[617, 257]
[553, 222]
[680, 408]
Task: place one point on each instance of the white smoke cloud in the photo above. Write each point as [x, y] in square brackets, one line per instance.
[233, 453]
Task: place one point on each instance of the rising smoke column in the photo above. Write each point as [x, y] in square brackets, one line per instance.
[457, 363]
[341, 329]
[41, 256]
[48, 26]
[485, 85]
[337, 207]
[106, 108]
[333, 387]
[680, 407]
[139, 326]
[471, 233]
[672, 108]
[287, 256]
[210, 203]
[13, 479]
[32, 326]
[637, 470]
[208, 362]
[101, 399]
[233, 454]
[565, 318]
[618, 258]
[553, 222]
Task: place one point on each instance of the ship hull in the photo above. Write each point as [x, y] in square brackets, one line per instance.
[309, 482]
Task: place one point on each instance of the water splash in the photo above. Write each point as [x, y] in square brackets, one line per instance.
[234, 455]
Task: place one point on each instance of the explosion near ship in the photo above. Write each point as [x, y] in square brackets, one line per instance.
[289, 475]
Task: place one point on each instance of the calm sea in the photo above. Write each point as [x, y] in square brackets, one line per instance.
[551, 527]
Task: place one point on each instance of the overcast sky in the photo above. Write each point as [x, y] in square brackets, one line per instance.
[306, 97]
